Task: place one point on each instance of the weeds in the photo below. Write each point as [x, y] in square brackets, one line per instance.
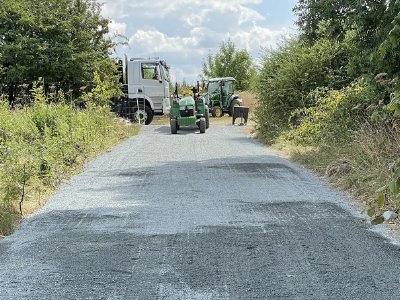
[361, 165]
[43, 145]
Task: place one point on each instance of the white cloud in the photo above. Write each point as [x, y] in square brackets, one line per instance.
[114, 9]
[116, 28]
[258, 38]
[156, 41]
[184, 31]
[196, 9]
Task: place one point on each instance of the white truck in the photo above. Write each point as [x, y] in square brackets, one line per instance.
[145, 84]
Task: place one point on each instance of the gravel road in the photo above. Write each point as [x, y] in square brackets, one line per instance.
[196, 216]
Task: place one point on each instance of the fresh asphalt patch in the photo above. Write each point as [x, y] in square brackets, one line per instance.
[197, 216]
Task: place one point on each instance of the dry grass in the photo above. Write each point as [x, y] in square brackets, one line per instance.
[249, 99]
[160, 120]
[360, 167]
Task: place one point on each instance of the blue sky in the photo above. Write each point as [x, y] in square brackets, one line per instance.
[184, 32]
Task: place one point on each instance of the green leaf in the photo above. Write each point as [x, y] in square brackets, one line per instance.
[381, 200]
[394, 187]
[371, 212]
[381, 189]
[378, 220]
[398, 172]
[391, 107]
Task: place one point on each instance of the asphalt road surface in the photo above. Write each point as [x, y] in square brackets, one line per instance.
[197, 216]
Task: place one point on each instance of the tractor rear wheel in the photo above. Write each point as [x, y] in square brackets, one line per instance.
[217, 112]
[202, 125]
[174, 126]
[234, 104]
[207, 116]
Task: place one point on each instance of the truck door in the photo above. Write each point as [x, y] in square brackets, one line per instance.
[153, 84]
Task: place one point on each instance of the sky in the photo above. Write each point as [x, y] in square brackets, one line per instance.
[185, 32]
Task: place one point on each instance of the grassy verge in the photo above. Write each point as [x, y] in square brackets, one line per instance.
[44, 145]
[361, 166]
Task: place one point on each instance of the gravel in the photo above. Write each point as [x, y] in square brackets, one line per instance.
[197, 216]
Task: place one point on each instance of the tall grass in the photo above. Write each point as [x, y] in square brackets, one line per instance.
[361, 165]
[41, 146]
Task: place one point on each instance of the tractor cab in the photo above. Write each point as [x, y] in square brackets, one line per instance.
[221, 96]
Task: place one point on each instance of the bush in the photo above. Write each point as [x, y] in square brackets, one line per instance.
[42, 145]
[336, 114]
[289, 74]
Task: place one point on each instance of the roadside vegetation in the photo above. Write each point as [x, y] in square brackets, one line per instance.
[331, 97]
[56, 81]
[43, 145]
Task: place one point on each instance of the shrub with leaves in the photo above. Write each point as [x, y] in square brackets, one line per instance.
[43, 145]
[289, 74]
[336, 114]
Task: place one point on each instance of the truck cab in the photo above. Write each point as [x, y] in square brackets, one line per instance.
[145, 83]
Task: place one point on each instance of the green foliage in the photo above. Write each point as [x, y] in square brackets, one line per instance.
[335, 115]
[58, 40]
[105, 83]
[290, 74]
[231, 62]
[334, 93]
[42, 145]
[384, 194]
[369, 21]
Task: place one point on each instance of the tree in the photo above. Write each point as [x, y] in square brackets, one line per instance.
[290, 73]
[57, 40]
[230, 62]
[366, 22]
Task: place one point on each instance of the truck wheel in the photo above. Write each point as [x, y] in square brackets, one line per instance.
[207, 116]
[174, 126]
[217, 112]
[142, 116]
[202, 125]
[234, 103]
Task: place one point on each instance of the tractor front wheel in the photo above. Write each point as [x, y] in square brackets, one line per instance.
[174, 126]
[217, 112]
[202, 125]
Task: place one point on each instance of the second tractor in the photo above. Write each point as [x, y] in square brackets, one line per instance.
[221, 96]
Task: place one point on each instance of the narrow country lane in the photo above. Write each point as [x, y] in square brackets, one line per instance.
[196, 216]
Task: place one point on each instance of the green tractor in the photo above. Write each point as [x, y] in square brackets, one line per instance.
[189, 111]
[221, 96]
